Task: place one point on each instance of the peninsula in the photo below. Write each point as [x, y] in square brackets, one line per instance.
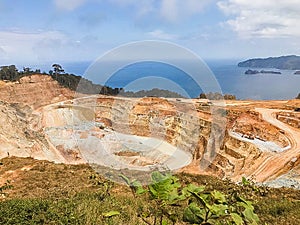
[291, 62]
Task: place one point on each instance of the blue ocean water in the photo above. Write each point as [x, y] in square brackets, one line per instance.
[230, 77]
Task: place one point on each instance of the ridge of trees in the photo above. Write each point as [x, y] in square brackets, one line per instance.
[217, 96]
[79, 83]
[155, 92]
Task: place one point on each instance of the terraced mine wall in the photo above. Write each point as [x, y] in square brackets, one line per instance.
[180, 125]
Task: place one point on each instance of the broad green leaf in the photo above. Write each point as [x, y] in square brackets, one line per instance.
[219, 197]
[204, 199]
[250, 216]
[191, 188]
[246, 205]
[238, 220]
[219, 209]
[194, 214]
[138, 187]
[156, 177]
[111, 213]
[165, 187]
[242, 200]
[140, 190]
[195, 189]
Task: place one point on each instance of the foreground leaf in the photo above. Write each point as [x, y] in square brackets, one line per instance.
[111, 213]
[237, 219]
[194, 214]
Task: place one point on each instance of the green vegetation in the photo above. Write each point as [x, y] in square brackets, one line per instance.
[200, 207]
[217, 96]
[155, 92]
[79, 83]
[50, 193]
[290, 62]
[71, 81]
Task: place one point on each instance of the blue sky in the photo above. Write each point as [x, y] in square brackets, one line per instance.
[38, 31]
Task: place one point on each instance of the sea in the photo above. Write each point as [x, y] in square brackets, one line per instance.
[226, 75]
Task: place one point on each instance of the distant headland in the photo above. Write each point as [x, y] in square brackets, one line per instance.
[290, 62]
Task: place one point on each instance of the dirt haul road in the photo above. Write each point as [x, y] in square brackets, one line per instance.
[282, 162]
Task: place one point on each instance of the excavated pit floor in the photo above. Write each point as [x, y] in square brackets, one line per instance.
[108, 148]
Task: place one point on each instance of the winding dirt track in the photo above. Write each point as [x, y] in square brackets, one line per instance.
[279, 163]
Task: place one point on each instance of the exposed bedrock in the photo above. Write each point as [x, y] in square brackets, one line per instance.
[214, 151]
[181, 124]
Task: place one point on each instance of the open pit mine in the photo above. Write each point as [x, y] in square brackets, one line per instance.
[255, 139]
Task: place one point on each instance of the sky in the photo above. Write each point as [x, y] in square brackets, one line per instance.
[40, 31]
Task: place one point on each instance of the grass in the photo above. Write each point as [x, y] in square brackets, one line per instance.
[51, 193]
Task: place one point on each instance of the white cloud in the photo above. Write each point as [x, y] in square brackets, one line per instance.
[169, 10]
[267, 19]
[159, 34]
[21, 46]
[69, 5]
[175, 10]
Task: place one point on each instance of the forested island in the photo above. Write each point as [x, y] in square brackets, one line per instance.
[291, 62]
[251, 72]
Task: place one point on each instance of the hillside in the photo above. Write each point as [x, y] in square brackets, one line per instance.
[291, 62]
[41, 192]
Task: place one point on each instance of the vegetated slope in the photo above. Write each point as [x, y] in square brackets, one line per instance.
[45, 193]
[155, 92]
[291, 62]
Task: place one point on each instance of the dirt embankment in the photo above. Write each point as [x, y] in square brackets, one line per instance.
[35, 91]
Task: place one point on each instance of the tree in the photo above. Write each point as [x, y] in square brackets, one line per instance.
[57, 69]
[298, 97]
[9, 73]
[229, 97]
[202, 96]
[27, 70]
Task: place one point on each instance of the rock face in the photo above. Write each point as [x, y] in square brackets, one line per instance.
[17, 138]
[21, 129]
[291, 62]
